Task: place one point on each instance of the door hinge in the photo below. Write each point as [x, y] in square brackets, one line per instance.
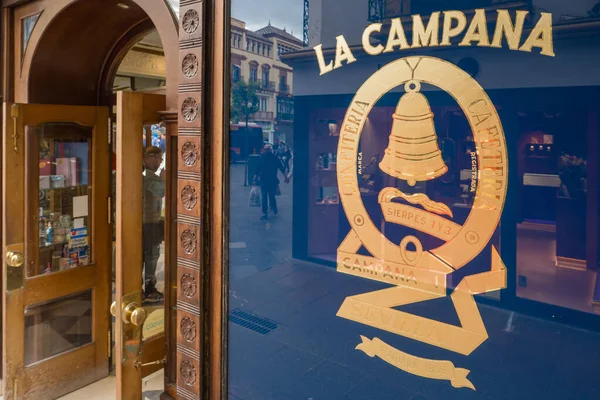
[109, 343]
[110, 209]
[15, 389]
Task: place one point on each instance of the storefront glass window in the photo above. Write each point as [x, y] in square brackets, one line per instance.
[422, 220]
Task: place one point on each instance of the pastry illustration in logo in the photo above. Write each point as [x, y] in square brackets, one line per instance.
[416, 272]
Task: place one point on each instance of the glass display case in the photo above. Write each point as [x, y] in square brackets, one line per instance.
[62, 210]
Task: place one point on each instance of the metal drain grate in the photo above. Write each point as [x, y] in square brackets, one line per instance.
[252, 322]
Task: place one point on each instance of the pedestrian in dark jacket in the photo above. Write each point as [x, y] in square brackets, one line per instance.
[286, 157]
[266, 173]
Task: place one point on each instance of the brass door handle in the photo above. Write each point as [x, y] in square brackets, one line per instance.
[138, 364]
[134, 314]
[14, 111]
[15, 259]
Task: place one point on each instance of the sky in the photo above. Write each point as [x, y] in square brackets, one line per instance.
[287, 14]
[282, 13]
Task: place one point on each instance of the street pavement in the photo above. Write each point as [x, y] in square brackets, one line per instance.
[286, 342]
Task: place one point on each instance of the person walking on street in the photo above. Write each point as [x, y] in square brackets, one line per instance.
[286, 157]
[266, 173]
[153, 224]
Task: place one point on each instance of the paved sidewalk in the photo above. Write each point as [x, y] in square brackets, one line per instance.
[309, 353]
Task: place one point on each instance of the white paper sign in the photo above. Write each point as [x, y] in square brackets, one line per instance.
[78, 223]
[80, 206]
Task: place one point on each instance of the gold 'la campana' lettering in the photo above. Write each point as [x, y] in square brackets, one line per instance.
[452, 25]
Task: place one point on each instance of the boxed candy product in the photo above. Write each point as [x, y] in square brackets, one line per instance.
[57, 181]
[78, 238]
[63, 263]
[69, 168]
[44, 182]
[83, 260]
[78, 257]
[47, 166]
[60, 235]
[74, 169]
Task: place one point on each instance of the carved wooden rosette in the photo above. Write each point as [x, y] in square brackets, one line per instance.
[189, 199]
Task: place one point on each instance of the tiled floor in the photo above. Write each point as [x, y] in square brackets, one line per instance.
[105, 389]
[547, 283]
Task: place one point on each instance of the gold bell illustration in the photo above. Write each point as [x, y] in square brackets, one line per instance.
[413, 153]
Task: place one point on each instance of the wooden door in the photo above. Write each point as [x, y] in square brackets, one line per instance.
[56, 249]
[140, 336]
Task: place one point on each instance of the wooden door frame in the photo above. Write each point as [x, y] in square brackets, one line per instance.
[202, 230]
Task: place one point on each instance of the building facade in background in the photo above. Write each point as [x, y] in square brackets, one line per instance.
[256, 58]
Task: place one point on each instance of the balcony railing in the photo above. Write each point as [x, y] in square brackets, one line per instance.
[266, 85]
[262, 116]
[284, 88]
[285, 117]
[380, 10]
[285, 108]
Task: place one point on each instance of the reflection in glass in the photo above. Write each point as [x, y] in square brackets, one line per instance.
[552, 260]
[57, 326]
[153, 229]
[63, 204]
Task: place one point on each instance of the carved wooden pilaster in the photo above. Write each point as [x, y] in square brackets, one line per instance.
[189, 200]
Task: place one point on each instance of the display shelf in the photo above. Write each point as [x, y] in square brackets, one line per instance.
[67, 187]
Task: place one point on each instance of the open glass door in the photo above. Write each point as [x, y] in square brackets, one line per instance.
[141, 252]
[56, 260]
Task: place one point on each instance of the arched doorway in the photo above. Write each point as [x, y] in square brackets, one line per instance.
[65, 55]
[75, 46]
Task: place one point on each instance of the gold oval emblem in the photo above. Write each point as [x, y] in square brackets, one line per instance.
[462, 243]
